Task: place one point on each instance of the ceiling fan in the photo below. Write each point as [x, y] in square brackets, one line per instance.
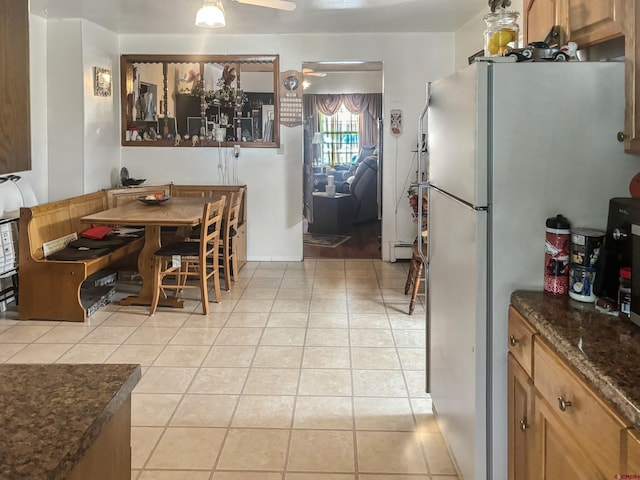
[312, 73]
[211, 14]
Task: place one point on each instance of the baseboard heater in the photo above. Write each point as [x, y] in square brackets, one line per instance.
[400, 251]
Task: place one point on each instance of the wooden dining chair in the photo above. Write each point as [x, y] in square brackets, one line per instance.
[177, 263]
[227, 253]
[415, 276]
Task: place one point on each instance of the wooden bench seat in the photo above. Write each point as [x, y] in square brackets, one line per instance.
[50, 289]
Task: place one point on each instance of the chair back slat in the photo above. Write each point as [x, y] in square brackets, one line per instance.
[211, 221]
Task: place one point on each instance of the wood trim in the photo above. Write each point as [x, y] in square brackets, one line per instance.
[109, 457]
[15, 141]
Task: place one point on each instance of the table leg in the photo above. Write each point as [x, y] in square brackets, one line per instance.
[145, 266]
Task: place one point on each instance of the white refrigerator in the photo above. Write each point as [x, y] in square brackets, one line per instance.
[509, 145]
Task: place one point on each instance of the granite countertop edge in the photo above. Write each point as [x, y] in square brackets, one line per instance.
[91, 434]
[51, 414]
[591, 370]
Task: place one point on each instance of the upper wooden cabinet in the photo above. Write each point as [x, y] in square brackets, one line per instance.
[585, 22]
[632, 77]
[15, 124]
[540, 16]
[589, 22]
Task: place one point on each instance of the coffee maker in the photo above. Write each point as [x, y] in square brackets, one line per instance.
[618, 250]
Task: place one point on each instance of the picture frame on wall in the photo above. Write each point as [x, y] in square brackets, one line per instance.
[194, 124]
[171, 123]
[246, 129]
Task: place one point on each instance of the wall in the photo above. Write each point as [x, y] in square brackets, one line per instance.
[274, 176]
[101, 114]
[65, 109]
[346, 82]
[83, 129]
[37, 176]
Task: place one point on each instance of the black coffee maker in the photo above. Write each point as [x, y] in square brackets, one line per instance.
[617, 251]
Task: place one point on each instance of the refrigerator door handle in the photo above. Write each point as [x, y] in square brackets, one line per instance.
[459, 200]
[422, 240]
[422, 139]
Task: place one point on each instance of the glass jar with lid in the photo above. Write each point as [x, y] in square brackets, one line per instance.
[501, 33]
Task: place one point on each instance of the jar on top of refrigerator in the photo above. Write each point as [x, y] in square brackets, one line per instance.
[501, 33]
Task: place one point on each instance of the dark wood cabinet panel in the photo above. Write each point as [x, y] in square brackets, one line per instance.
[15, 124]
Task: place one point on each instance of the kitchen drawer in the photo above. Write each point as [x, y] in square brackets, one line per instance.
[520, 338]
[594, 425]
[631, 462]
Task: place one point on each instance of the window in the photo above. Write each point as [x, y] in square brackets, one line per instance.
[340, 137]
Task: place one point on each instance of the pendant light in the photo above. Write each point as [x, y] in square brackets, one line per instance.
[210, 15]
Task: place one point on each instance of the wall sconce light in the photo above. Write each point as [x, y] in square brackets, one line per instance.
[101, 82]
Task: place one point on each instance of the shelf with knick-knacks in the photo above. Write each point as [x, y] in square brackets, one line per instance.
[200, 100]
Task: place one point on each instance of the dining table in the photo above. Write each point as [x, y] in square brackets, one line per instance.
[181, 212]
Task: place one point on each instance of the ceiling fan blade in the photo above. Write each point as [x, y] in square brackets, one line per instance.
[312, 73]
[278, 4]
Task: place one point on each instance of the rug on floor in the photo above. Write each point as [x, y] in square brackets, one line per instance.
[324, 240]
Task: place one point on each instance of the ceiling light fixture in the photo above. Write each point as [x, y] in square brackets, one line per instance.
[210, 15]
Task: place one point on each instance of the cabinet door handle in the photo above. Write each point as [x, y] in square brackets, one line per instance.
[524, 425]
[563, 404]
[513, 340]
[621, 136]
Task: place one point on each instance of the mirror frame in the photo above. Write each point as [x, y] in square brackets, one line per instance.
[126, 96]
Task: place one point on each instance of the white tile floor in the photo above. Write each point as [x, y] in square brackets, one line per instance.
[306, 371]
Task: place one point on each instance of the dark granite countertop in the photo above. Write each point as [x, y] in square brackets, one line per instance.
[51, 414]
[604, 349]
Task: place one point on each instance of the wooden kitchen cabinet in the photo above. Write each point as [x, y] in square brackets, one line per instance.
[558, 426]
[556, 454]
[589, 22]
[539, 18]
[519, 420]
[520, 396]
[15, 123]
[631, 458]
[631, 134]
[594, 427]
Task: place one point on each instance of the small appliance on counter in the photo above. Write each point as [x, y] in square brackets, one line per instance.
[586, 244]
[621, 249]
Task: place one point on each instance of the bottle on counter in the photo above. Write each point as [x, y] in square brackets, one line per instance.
[556, 258]
[624, 293]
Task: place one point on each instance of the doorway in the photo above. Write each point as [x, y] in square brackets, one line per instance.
[342, 179]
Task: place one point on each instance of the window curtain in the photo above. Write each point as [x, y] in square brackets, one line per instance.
[368, 105]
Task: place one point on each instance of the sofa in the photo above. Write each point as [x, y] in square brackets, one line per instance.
[364, 189]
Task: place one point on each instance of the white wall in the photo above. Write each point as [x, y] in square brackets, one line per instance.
[101, 114]
[274, 177]
[37, 176]
[65, 115]
[345, 82]
[83, 129]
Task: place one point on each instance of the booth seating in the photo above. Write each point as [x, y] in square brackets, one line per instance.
[50, 289]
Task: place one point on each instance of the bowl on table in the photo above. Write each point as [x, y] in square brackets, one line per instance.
[153, 200]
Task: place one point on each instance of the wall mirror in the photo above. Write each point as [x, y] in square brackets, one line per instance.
[200, 100]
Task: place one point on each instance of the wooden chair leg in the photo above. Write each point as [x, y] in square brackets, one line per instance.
[417, 279]
[227, 271]
[157, 279]
[407, 285]
[204, 288]
[216, 285]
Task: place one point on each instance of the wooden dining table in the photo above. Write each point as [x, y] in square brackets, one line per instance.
[181, 212]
